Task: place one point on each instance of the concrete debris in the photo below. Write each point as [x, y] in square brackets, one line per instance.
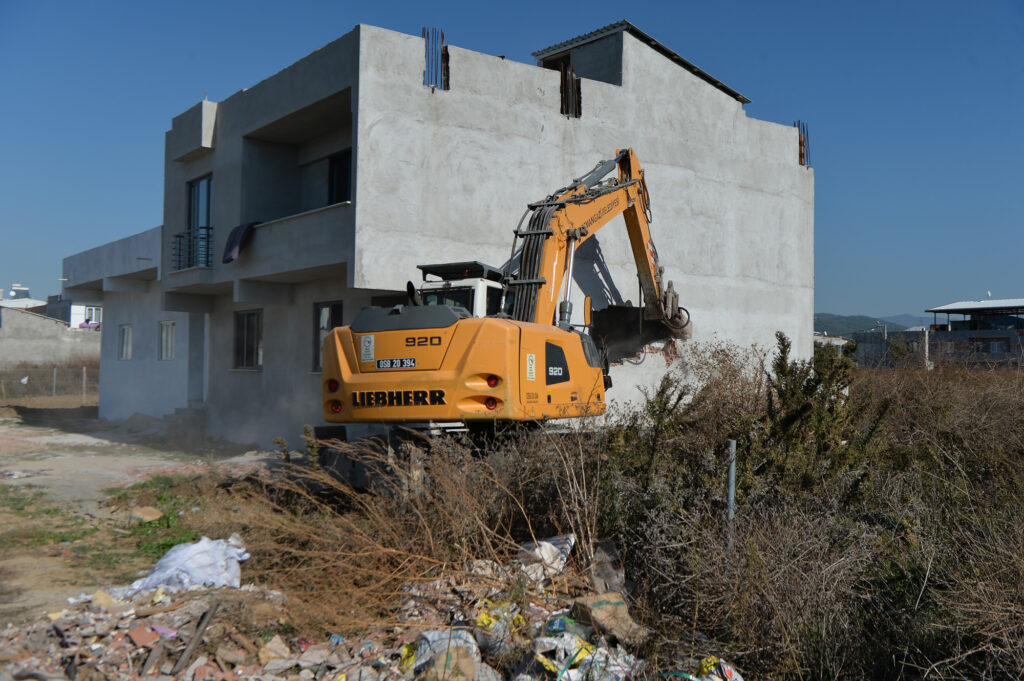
[100, 638]
[104, 601]
[274, 649]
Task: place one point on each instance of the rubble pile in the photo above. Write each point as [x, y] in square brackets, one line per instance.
[463, 627]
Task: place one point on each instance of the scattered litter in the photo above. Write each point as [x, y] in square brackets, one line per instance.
[431, 643]
[713, 669]
[453, 628]
[607, 665]
[608, 612]
[166, 632]
[495, 627]
[546, 558]
[560, 653]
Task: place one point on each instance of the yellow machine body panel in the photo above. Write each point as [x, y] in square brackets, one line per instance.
[476, 369]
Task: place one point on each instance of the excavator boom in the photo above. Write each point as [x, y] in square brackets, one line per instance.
[560, 223]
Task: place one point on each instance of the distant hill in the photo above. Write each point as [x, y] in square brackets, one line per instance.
[839, 325]
[909, 320]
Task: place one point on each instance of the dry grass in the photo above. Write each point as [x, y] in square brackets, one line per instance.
[876, 535]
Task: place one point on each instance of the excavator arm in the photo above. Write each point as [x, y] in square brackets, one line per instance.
[559, 224]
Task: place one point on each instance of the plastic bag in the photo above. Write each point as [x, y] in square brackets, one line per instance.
[430, 643]
[207, 562]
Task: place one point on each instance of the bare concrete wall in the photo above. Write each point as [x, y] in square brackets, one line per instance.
[445, 175]
[256, 406]
[28, 338]
[143, 384]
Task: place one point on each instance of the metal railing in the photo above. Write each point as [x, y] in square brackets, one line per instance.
[193, 248]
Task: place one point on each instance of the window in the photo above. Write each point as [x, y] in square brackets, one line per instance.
[166, 340]
[94, 314]
[193, 247]
[124, 341]
[326, 316]
[199, 202]
[339, 177]
[249, 339]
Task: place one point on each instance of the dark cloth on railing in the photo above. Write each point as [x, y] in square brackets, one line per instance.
[237, 240]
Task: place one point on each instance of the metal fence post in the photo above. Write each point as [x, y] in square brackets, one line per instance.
[731, 490]
[83, 386]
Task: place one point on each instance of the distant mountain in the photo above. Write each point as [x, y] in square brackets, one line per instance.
[909, 320]
[839, 325]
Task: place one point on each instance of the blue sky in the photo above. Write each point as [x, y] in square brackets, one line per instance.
[916, 114]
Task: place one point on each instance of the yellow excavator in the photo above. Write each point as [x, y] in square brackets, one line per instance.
[519, 358]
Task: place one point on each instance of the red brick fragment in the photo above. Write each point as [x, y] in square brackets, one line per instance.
[143, 636]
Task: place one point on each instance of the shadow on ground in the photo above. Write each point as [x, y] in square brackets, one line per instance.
[140, 430]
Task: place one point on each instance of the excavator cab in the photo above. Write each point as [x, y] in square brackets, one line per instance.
[474, 286]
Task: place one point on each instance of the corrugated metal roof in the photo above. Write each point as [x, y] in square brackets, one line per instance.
[624, 25]
[990, 306]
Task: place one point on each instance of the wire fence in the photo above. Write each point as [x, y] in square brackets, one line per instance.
[40, 380]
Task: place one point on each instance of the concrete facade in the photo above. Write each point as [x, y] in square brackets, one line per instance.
[123, 277]
[440, 175]
[35, 339]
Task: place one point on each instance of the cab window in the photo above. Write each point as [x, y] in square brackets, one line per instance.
[493, 301]
[456, 297]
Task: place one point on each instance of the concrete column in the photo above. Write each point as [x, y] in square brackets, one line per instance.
[196, 358]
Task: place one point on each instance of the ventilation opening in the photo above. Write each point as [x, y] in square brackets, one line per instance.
[571, 91]
[435, 71]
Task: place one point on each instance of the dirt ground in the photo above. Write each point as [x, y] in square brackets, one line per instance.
[56, 531]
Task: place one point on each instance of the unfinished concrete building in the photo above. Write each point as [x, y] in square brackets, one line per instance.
[329, 182]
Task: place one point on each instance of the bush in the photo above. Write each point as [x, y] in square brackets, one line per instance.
[876, 534]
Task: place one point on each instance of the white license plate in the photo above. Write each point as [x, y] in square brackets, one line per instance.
[397, 363]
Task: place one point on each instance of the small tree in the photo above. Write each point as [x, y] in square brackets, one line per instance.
[808, 417]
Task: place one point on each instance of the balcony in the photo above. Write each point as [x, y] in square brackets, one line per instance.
[193, 248]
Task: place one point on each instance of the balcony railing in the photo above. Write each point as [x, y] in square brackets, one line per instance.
[193, 248]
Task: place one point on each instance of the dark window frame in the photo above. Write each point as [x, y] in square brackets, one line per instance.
[194, 219]
[339, 172]
[334, 309]
[249, 340]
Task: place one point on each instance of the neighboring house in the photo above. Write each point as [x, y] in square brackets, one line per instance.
[78, 316]
[18, 297]
[826, 339]
[987, 332]
[332, 179]
[35, 339]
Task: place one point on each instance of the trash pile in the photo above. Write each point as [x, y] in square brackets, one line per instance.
[189, 620]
